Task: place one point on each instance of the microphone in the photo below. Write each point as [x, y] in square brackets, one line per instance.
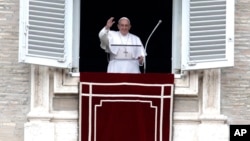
[159, 22]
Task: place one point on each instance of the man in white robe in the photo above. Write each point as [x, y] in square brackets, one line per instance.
[125, 49]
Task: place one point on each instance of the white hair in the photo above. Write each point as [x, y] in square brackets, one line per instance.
[124, 18]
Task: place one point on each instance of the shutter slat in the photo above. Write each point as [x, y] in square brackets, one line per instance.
[207, 37]
[208, 58]
[46, 48]
[207, 28]
[205, 52]
[207, 32]
[206, 42]
[47, 39]
[205, 47]
[46, 19]
[208, 23]
[48, 4]
[46, 9]
[46, 14]
[47, 29]
[47, 34]
[47, 24]
[41, 53]
[205, 13]
[46, 43]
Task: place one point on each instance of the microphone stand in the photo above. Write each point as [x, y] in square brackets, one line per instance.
[148, 41]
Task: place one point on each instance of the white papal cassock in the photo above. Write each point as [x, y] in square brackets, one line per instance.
[124, 51]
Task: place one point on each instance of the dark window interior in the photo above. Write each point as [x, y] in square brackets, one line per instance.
[144, 16]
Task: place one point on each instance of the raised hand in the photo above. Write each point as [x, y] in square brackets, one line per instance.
[110, 22]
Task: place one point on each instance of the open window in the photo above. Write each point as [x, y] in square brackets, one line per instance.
[202, 33]
[144, 17]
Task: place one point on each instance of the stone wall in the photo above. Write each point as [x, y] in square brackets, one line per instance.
[14, 77]
[235, 87]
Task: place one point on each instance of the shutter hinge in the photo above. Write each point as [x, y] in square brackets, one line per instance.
[26, 29]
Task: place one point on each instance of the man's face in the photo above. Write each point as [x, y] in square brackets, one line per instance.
[124, 26]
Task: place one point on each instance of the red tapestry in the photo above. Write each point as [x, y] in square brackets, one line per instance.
[126, 107]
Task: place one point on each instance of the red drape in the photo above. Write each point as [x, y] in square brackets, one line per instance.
[124, 111]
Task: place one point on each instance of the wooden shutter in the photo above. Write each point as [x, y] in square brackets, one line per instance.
[46, 32]
[207, 34]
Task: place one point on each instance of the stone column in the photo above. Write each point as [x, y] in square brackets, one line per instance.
[39, 127]
[213, 125]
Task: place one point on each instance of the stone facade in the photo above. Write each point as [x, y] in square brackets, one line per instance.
[14, 77]
[40, 103]
[235, 83]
